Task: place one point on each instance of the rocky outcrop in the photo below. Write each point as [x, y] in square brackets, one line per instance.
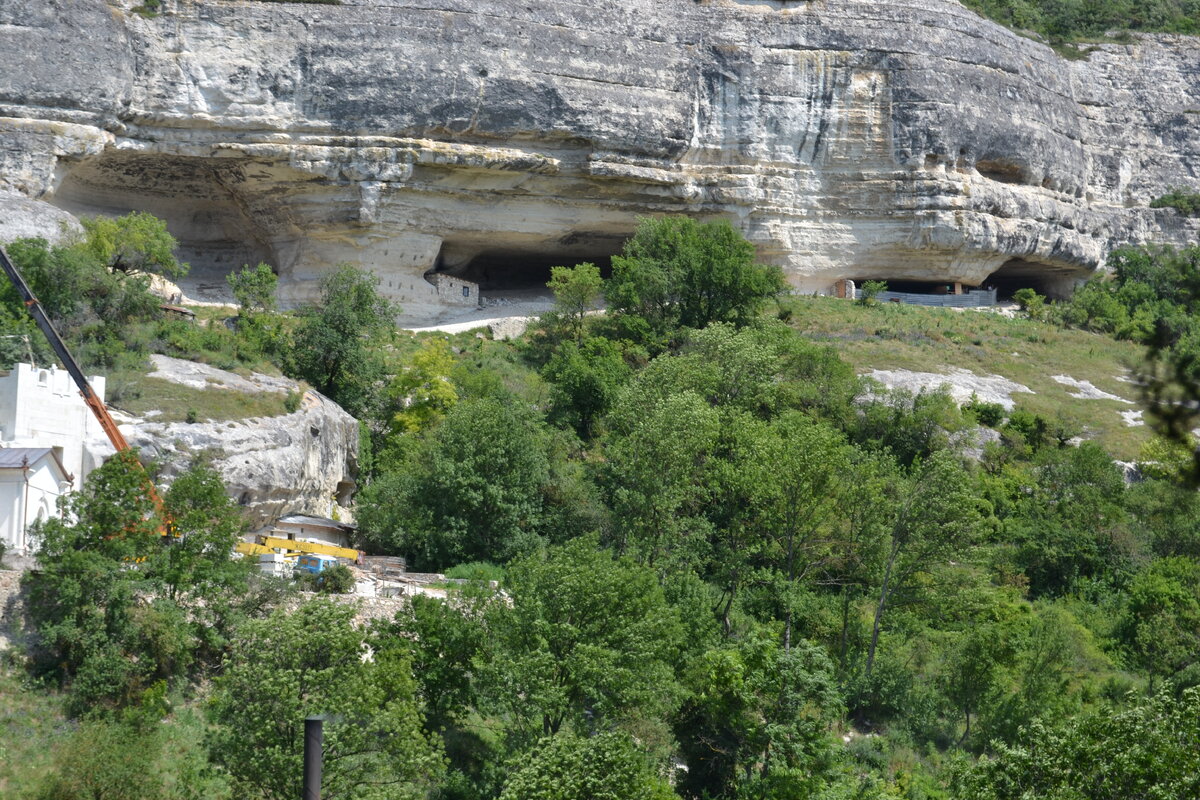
[305, 462]
[903, 139]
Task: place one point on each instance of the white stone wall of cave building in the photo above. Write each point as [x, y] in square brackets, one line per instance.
[25, 498]
[40, 407]
[399, 260]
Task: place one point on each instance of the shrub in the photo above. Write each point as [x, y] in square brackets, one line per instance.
[989, 414]
[477, 571]
[869, 291]
[338, 579]
[1183, 201]
[1032, 303]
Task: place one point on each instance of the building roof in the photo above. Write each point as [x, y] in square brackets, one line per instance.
[22, 457]
[321, 522]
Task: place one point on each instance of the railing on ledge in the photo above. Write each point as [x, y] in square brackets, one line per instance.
[976, 298]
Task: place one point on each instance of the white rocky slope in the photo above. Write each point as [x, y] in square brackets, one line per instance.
[304, 462]
[898, 139]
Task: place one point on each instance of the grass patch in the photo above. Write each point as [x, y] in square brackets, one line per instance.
[32, 725]
[179, 403]
[894, 336]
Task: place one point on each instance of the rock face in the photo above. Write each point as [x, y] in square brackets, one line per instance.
[305, 462]
[898, 139]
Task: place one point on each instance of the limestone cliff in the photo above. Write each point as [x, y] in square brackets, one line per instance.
[485, 138]
[305, 462]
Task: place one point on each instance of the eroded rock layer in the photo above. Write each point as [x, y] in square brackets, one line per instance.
[902, 139]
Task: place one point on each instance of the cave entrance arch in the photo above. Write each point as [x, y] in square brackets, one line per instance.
[1055, 281]
[504, 265]
[203, 201]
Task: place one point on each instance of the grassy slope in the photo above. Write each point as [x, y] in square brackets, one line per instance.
[175, 401]
[31, 726]
[891, 336]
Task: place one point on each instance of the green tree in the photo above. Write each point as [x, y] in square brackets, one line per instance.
[1071, 523]
[677, 272]
[337, 346]
[938, 517]
[204, 527]
[115, 609]
[911, 426]
[576, 291]
[585, 381]
[1150, 750]
[607, 766]
[254, 288]
[422, 391]
[1163, 622]
[756, 723]
[805, 534]
[313, 661]
[973, 672]
[472, 491]
[83, 599]
[656, 477]
[588, 643]
[136, 242]
[447, 637]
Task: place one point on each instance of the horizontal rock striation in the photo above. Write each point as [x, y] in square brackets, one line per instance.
[900, 139]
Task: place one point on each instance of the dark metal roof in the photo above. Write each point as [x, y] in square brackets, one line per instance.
[21, 457]
[323, 522]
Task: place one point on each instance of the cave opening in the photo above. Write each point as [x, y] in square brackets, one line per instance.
[198, 198]
[498, 271]
[520, 266]
[913, 287]
[1053, 281]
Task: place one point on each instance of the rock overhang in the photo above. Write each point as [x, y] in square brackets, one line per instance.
[910, 139]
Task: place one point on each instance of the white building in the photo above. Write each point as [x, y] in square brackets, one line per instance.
[31, 481]
[320, 530]
[42, 408]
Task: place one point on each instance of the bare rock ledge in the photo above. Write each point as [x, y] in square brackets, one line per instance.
[896, 139]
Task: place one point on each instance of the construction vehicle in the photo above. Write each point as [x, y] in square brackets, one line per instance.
[81, 382]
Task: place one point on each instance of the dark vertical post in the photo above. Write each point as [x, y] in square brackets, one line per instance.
[313, 745]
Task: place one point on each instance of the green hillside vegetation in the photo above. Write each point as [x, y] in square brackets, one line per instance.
[1082, 20]
[1029, 352]
[715, 549]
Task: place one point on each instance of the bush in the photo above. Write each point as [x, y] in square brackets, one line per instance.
[338, 579]
[1064, 21]
[483, 571]
[869, 291]
[989, 414]
[1032, 303]
[1183, 201]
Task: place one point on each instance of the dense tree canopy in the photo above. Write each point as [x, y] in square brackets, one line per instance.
[678, 272]
[687, 552]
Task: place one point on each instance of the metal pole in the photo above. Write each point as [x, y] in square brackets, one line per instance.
[313, 745]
